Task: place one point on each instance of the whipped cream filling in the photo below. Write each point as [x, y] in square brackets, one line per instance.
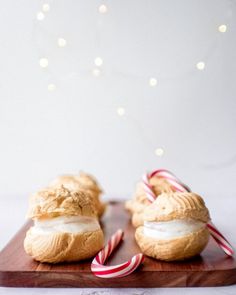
[69, 224]
[171, 229]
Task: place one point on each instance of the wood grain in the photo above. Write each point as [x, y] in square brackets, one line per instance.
[212, 268]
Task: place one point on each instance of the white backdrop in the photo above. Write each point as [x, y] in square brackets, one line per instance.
[190, 113]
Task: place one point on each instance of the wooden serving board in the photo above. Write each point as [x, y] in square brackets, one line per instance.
[212, 268]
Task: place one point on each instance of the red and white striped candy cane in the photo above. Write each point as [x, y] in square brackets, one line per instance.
[169, 176]
[115, 271]
[220, 239]
[179, 186]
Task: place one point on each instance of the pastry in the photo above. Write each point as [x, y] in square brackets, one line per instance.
[139, 202]
[174, 227]
[65, 227]
[82, 181]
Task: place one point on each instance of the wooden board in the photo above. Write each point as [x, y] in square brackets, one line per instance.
[212, 268]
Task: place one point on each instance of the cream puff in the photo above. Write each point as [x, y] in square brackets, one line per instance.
[139, 202]
[65, 227]
[82, 181]
[174, 227]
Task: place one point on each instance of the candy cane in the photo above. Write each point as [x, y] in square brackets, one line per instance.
[220, 239]
[115, 271]
[169, 176]
[181, 187]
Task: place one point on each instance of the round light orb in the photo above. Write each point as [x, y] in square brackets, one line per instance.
[40, 15]
[120, 111]
[51, 87]
[45, 7]
[222, 28]
[98, 61]
[43, 62]
[152, 82]
[159, 152]
[103, 8]
[200, 65]
[61, 42]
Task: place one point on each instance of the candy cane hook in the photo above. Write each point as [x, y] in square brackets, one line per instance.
[115, 271]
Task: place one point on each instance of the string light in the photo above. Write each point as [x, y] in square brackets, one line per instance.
[159, 152]
[40, 15]
[152, 82]
[120, 111]
[43, 62]
[51, 87]
[98, 61]
[61, 42]
[45, 7]
[103, 8]
[200, 65]
[222, 28]
[96, 72]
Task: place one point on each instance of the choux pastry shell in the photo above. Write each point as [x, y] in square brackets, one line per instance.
[174, 227]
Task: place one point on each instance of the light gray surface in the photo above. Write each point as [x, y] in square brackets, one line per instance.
[190, 113]
[222, 213]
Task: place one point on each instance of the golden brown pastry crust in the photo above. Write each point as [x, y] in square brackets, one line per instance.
[88, 182]
[137, 205]
[61, 247]
[176, 205]
[173, 249]
[56, 201]
[82, 182]
[137, 219]
[160, 185]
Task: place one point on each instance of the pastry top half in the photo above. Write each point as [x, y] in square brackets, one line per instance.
[82, 181]
[177, 205]
[60, 201]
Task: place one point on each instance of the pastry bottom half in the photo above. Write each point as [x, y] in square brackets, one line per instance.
[62, 246]
[180, 248]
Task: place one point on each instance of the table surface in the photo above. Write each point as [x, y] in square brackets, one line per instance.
[13, 216]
